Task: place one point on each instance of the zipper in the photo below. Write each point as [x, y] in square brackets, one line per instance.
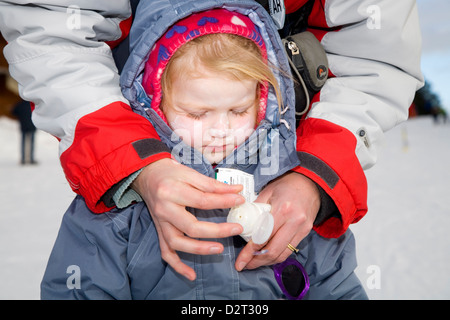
[293, 47]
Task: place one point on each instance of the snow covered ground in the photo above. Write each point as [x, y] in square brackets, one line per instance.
[404, 238]
[403, 242]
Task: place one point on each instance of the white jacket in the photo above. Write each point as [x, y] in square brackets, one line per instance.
[60, 54]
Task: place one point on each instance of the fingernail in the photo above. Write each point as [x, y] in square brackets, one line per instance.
[214, 250]
[235, 231]
[190, 277]
[241, 265]
[239, 200]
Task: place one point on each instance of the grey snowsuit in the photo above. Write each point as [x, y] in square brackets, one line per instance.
[116, 255]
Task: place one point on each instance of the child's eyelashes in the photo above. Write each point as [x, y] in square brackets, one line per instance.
[240, 112]
[196, 116]
[203, 113]
[199, 116]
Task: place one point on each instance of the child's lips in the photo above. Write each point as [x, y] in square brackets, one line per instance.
[218, 148]
[219, 145]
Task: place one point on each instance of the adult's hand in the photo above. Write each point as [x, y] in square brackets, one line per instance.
[295, 203]
[167, 188]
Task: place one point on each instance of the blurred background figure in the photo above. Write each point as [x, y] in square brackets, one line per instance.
[22, 110]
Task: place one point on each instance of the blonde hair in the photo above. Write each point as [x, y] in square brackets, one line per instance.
[233, 56]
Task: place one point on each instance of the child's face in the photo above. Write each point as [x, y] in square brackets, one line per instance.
[212, 113]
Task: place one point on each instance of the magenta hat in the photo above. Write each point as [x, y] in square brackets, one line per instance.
[196, 25]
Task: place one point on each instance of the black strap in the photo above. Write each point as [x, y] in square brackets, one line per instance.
[265, 4]
[297, 21]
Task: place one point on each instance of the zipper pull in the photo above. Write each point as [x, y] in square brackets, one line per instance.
[293, 47]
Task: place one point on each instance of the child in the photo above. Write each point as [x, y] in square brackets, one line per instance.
[211, 89]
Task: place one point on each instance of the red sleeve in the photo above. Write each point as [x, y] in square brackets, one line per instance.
[327, 150]
[109, 145]
[327, 155]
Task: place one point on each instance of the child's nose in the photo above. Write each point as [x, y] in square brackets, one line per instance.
[220, 127]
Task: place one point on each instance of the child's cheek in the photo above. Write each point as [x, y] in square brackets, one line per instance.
[243, 129]
[186, 129]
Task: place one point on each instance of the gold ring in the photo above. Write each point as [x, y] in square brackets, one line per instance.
[292, 248]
